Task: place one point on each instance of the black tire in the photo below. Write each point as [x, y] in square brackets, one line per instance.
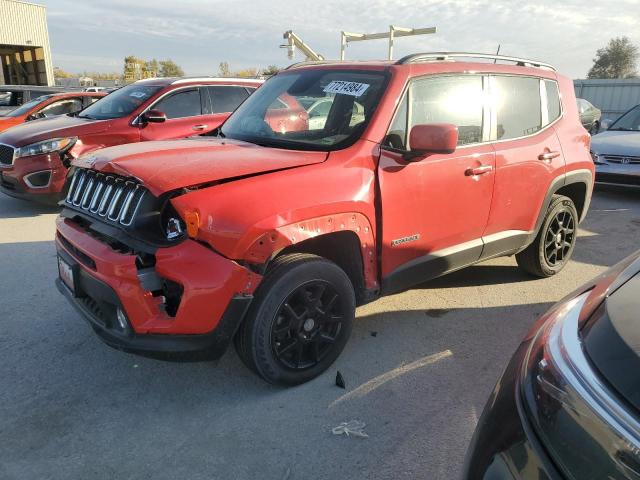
[595, 128]
[293, 306]
[554, 244]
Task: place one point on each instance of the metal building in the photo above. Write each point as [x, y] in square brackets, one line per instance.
[24, 44]
[613, 97]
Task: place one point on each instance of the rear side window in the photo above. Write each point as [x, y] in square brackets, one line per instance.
[226, 98]
[553, 99]
[450, 99]
[185, 103]
[517, 107]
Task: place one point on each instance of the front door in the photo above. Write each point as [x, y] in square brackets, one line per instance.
[435, 208]
[184, 117]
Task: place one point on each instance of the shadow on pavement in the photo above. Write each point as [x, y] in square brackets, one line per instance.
[17, 208]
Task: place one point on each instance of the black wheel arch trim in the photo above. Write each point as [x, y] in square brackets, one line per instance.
[583, 176]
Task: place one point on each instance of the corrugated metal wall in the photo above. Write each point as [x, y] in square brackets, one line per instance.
[613, 97]
[25, 24]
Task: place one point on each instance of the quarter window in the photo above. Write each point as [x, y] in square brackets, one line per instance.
[450, 99]
[553, 99]
[516, 102]
[179, 105]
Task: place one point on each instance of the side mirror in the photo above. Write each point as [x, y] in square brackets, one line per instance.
[605, 124]
[432, 138]
[154, 116]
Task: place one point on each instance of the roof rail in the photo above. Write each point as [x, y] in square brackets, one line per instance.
[216, 79]
[445, 56]
[314, 62]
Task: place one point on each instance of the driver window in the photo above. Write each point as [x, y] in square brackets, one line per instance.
[180, 105]
[458, 100]
[62, 107]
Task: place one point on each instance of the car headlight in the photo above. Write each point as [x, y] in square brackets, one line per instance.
[569, 405]
[46, 146]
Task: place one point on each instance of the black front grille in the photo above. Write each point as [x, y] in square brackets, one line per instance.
[109, 197]
[618, 178]
[622, 159]
[6, 155]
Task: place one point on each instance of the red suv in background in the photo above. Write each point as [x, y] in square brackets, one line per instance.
[272, 236]
[48, 106]
[35, 157]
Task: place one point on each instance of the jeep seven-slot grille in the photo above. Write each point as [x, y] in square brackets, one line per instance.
[105, 196]
[6, 155]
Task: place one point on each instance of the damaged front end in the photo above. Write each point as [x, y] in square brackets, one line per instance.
[128, 264]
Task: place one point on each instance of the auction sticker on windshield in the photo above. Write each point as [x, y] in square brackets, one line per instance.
[354, 89]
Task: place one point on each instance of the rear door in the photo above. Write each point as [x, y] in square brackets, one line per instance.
[434, 208]
[528, 157]
[183, 109]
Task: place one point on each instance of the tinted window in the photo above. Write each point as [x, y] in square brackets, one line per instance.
[456, 100]
[517, 104]
[226, 99]
[629, 121]
[62, 107]
[25, 107]
[553, 99]
[182, 104]
[120, 103]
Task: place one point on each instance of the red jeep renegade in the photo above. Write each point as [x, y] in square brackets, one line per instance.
[35, 157]
[272, 236]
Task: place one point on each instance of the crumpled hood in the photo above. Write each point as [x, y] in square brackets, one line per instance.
[163, 166]
[614, 142]
[54, 127]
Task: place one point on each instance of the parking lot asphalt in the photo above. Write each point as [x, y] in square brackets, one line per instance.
[418, 370]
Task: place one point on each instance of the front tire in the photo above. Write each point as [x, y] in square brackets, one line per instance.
[554, 244]
[299, 321]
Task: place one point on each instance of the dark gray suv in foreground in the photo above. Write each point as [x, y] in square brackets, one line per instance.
[568, 404]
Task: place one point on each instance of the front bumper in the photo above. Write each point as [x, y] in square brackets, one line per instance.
[216, 294]
[623, 175]
[504, 446]
[19, 180]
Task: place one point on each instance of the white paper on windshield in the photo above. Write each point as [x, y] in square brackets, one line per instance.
[137, 94]
[354, 89]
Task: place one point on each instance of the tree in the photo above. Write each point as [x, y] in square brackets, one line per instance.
[59, 73]
[168, 68]
[616, 60]
[247, 73]
[271, 70]
[224, 70]
[151, 68]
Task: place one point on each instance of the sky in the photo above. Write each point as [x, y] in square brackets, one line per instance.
[93, 35]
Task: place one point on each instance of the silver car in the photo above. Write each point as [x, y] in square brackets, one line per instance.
[616, 152]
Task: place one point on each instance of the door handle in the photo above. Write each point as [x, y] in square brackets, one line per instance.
[481, 170]
[199, 127]
[548, 156]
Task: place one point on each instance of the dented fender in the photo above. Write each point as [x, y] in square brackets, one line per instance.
[253, 219]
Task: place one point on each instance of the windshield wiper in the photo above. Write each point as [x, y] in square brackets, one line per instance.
[619, 129]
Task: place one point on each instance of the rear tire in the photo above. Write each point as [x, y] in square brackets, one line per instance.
[554, 244]
[299, 321]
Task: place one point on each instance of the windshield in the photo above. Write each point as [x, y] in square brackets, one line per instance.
[313, 109]
[630, 121]
[24, 108]
[119, 103]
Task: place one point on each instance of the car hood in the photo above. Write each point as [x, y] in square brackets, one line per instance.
[54, 127]
[612, 338]
[6, 122]
[163, 166]
[614, 142]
